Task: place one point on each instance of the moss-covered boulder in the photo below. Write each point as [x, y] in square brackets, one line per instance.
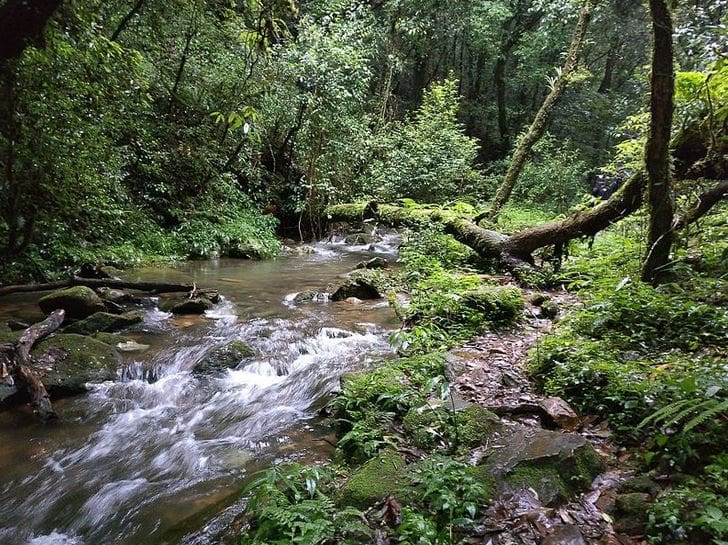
[386, 474]
[226, 357]
[112, 339]
[499, 304]
[105, 322]
[79, 302]
[76, 361]
[556, 465]
[469, 427]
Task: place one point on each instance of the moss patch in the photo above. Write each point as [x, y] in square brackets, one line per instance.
[499, 304]
[380, 476]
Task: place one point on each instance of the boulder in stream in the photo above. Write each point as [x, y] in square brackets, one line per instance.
[196, 305]
[79, 302]
[226, 357]
[105, 322]
[359, 288]
[373, 263]
[67, 362]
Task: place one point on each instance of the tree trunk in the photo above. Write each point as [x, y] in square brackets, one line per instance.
[17, 358]
[657, 153]
[538, 127]
[127, 18]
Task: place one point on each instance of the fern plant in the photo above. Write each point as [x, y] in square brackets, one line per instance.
[688, 413]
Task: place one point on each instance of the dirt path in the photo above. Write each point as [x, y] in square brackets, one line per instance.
[489, 370]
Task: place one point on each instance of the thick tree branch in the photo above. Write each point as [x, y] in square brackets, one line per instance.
[705, 202]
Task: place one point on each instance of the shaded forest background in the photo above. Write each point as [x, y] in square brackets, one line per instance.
[134, 130]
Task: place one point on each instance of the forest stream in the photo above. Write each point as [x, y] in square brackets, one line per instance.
[151, 458]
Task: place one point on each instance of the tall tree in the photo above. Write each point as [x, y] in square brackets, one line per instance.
[538, 127]
[657, 153]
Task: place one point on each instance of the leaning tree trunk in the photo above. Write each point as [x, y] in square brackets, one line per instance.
[657, 153]
[538, 127]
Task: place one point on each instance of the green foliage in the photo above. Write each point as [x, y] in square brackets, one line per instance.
[290, 504]
[694, 512]
[427, 157]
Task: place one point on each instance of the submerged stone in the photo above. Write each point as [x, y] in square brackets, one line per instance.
[79, 302]
[226, 357]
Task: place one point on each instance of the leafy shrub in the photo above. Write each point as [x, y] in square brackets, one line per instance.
[290, 504]
[427, 157]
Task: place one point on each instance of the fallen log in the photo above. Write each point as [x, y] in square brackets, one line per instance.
[515, 252]
[17, 359]
[152, 287]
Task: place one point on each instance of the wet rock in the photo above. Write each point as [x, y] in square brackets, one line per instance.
[538, 299]
[561, 413]
[630, 512]
[131, 346]
[556, 465]
[112, 339]
[105, 322]
[353, 301]
[564, 535]
[111, 271]
[79, 302]
[373, 263]
[642, 483]
[308, 296]
[8, 394]
[196, 305]
[373, 481]
[76, 360]
[113, 295]
[227, 357]
[359, 288]
[360, 239]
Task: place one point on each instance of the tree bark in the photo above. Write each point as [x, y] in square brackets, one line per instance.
[18, 359]
[657, 152]
[154, 287]
[706, 201]
[538, 127]
[127, 19]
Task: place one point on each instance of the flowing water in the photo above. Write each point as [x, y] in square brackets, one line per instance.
[142, 461]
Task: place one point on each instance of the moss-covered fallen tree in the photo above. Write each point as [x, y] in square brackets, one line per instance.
[515, 252]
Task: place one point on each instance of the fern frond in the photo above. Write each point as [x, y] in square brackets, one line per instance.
[707, 414]
[665, 412]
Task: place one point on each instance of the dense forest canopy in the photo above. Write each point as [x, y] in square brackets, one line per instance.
[132, 129]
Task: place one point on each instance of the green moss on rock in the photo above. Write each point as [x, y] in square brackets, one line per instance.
[380, 476]
[79, 302]
[79, 360]
[475, 424]
[499, 304]
[105, 322]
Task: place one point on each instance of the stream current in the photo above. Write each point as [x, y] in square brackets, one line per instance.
[155, 461]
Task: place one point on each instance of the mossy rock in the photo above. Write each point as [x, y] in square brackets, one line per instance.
[226, 357]
[105, 322]
[112, 339]
[476, 425]
[499, 304]
[78, 360]
[423, 425]
[307, 296]
[79, 302]
[360, 239]
[372, 482]
[556, 465]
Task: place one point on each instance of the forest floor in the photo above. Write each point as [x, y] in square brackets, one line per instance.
[491, 370]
